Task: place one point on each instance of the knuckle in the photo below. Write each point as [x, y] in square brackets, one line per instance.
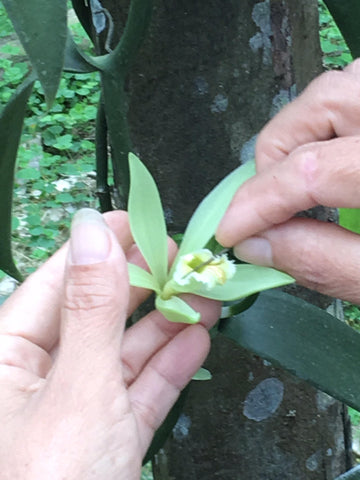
[313, 274]
[328, 83]
[147, 413]
[335, 91]
[85, 292]
[354, 69]
[9, 350]
[308, 165]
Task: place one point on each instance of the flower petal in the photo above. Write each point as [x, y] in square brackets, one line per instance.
[176, 310]
[206, 218]
[146, 219]
[247, 280]
[141, 278]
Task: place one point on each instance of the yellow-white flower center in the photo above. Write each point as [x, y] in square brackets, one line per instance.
[203, 267]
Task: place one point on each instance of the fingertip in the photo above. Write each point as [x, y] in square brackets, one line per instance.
[210, 310]
[223, 234]
[255, 250]
[118, 221]
[89, 240]
[320, 256]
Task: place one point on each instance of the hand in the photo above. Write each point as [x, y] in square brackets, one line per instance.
[79, 398]
[308, 155]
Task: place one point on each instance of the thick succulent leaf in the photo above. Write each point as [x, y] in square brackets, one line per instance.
[307, 341]
[147, 220]
[353, 474]
[346, 14]
[83, 12]
[11, 121]
[238, 307]
[137, 23]
[248, 279]
[176, 310]
[141, 278]
[206, 218]
[41, 27]
[76, 61]
[202, 374]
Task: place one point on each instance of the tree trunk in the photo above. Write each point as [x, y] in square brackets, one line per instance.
[211, 73]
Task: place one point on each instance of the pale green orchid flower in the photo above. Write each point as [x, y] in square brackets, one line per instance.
[195, 269]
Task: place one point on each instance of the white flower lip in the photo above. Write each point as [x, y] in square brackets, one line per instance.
[203, 267]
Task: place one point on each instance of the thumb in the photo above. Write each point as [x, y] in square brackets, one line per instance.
[96, 295]
[321, 256]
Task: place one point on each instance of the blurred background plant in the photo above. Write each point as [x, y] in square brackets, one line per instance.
[55, 167]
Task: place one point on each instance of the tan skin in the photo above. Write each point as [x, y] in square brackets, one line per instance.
[308, 155]
[81, 398]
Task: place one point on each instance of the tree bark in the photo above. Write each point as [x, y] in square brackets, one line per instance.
[210, 74]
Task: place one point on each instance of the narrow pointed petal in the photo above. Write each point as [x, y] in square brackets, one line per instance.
[206, 218]
[141, 278]
[248, 279]
[147, 220]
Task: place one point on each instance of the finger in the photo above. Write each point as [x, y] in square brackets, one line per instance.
[328, 107]
[320, 256]
[95, 302]
[32, 311]
[322, 173]
[160, 383]
[38, 321]
[153, 332]
[118, 222]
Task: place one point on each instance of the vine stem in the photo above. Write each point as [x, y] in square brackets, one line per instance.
[102, 187]
[113, 76]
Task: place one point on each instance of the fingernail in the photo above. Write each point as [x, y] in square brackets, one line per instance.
[89, 240]
[255, 250]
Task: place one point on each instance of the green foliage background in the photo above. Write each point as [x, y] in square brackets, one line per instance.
[55, 166]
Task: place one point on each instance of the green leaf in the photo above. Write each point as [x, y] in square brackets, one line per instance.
[346, 15]
[176, 310]
[353, 474]
[350, 218]
[137, 23]
[3, 298]
[141, 278]
[202, 374]
[76, 61]
[238, 307]
[28, 173]
[11, 121]
[83, 12]
[206, 218]
[147, 220]
[248, 279]
[41, 27]
[303, 339]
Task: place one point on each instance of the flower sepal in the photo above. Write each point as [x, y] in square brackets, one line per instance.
[176, 310]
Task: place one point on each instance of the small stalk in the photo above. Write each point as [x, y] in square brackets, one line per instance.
[102, 187]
